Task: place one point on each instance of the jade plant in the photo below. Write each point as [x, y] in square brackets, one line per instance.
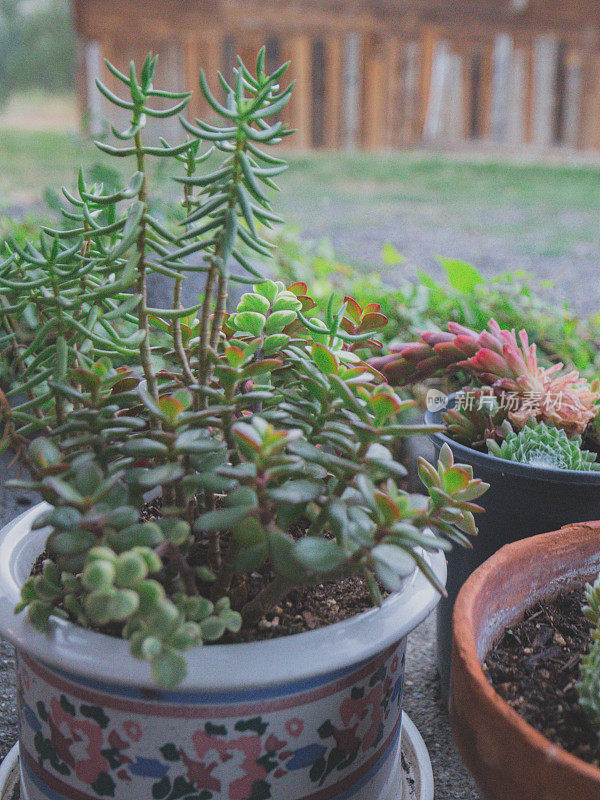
[183, 451]
[511, 405]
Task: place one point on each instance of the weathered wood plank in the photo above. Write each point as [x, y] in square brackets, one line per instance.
[333, 91]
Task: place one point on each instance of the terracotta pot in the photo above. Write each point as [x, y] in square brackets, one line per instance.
[522, 501]
[507, 757]
[315, 716]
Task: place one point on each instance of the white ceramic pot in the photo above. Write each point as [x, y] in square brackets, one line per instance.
[315, 716]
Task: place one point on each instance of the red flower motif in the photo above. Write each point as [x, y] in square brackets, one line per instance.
[273, 744]
[250, 749]
[200, 774]
[78, 743]
[115, 741]
[294, 726]
[347, 740]
[133, 730]
[364, 707]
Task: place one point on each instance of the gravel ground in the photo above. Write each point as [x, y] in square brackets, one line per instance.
[426, 709]
[539, 217]
[575, 273]
[357, 237]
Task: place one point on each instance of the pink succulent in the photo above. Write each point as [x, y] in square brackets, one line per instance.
[567, 401]
[496, 358]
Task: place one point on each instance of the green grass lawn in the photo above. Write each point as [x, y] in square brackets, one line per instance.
[549, 208]
[31, 161]
[423, 178]
[490, 198]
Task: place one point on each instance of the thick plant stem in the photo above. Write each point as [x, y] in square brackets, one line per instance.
[145, 353]
[205, 327]
[221, 301]
[223, 584]
[321, 519]
[219, 311]
[214, 550]
[265, 600]
[177, 338]
[185, 570]
[228, 427]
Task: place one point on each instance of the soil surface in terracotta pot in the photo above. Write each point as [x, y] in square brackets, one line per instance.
[535, 668]
[508, 757]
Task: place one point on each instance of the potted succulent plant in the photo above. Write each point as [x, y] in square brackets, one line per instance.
[508, 598]
[530, 431]
[203, 473]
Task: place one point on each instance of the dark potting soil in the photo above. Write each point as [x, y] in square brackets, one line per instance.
[307, 608]
[303, 609]
[39, 563]
[535, 668]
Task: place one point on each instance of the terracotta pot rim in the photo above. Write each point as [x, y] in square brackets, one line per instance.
[465, 647]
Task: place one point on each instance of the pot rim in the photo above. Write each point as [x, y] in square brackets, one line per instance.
[299, 656]
[512, 468]
[510, 557]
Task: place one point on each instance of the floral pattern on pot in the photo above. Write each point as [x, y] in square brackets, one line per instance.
[329, 737]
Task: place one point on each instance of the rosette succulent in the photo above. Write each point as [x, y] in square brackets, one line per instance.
[540, 445]
[480, 419]
[262, 430]
[496, 358]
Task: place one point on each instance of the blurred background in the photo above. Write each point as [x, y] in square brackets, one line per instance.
[37, 60]
[446, 164]
[423, 128]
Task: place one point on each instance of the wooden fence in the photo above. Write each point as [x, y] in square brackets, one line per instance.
[365, 79]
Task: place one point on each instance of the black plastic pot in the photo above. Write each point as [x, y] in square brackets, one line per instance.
[521, 501]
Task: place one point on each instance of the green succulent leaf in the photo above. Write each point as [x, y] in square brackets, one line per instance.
[222, 519]
[296, 491]
[392, 565]
[168, 668]
[250, 321]
[254, 303]
[541, 445]
[213, 628]
[319, 556]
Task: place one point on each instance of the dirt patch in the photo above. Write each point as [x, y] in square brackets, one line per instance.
[35, 111]
[309, 608]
